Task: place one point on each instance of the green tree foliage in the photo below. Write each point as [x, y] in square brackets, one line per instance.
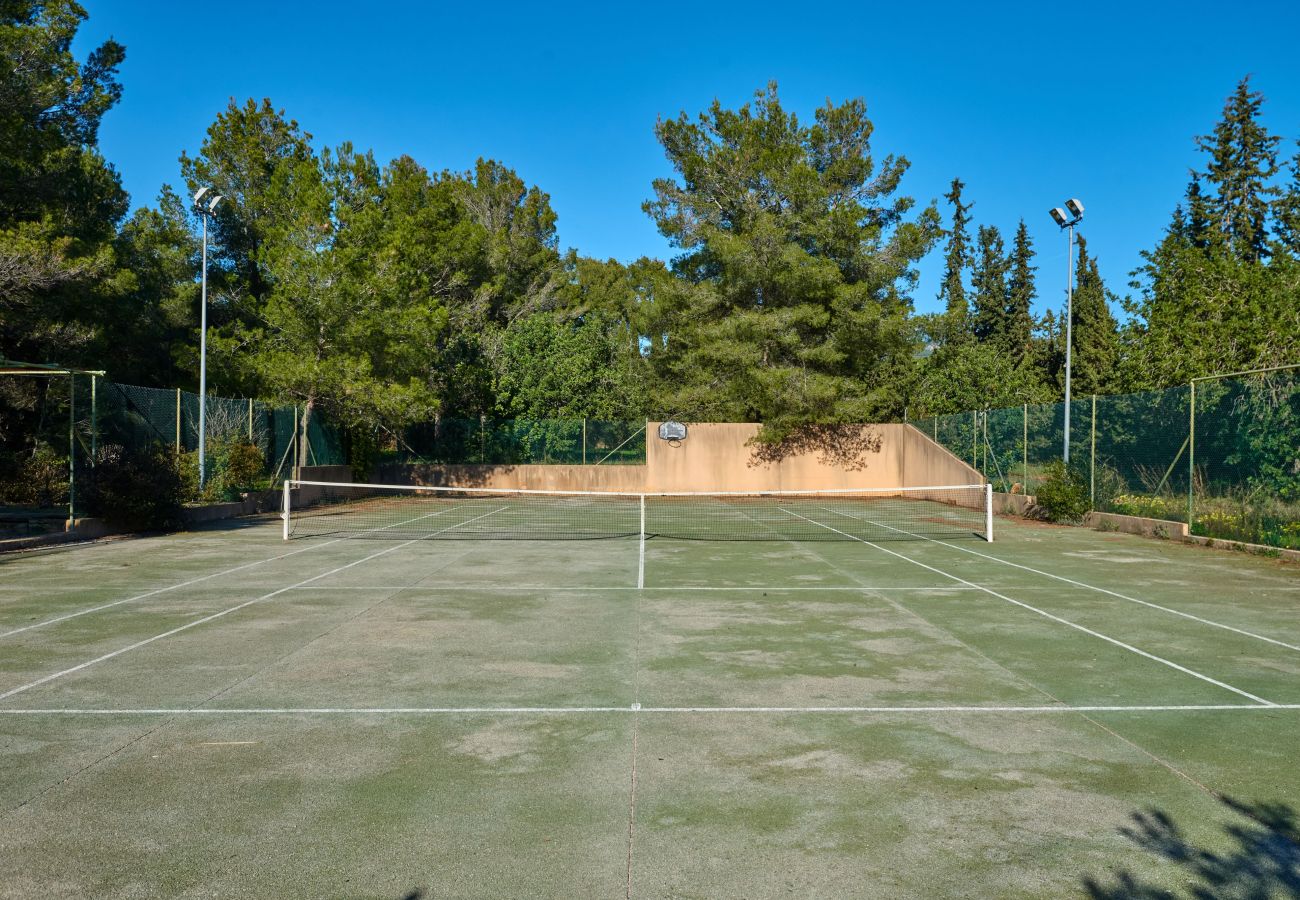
[789, 305]
[1020, 296]
[1287, 209]
[557, 367]
[60, 202]
[954, 327]
[989, 291]
[1242, 162]
[1216, 295]
[1095, 356]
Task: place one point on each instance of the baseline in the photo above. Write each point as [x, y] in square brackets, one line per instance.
[637, 708]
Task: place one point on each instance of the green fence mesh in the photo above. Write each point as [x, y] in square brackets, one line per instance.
[54, 428]
[522, 442]
[1226, 462]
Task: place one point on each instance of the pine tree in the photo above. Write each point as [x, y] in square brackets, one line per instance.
[1095, 338]
[1020, 295]
[1243, 160]
[1287, 210]
[952, 290]
[989, 289]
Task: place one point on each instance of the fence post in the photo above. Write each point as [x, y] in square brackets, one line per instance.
[1191, 453]
[936, 429]
[1092, 458]
[178, 422]
[250, 420]
[1024, 422]
[584, 440]
[974, 439]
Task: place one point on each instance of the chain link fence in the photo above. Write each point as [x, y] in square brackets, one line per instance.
[54, 428]
[576, 442]
[1221, 454]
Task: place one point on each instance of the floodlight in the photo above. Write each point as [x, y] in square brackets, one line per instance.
[198, 195]
[212, 206]
[1058, 215]
[1075, 207]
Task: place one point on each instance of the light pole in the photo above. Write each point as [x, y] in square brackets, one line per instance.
[1059, 216]
[205, 208]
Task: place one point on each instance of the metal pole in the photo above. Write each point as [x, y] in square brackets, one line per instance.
[584, 440]
[1191, 454]
[203, 356]
[72, 452]
[974, 439]
[250, 420]
[1069, 338]
[94, 420]
[178, 422]
[1025, 445]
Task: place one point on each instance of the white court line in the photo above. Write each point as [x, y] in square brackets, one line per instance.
[1097, 634]
[192, 581]
[637, 708]
[1091, 587]
[225, 612]
[503, 588]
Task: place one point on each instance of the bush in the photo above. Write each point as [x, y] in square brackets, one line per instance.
[1063, 495]
[241, 466]
[41, 479]
[139, 489]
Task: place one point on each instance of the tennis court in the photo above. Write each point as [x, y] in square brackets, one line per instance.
[643, 713]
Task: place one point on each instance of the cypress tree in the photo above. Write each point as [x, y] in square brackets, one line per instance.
[1243, 160]
[953, 290]
[1095, 335]
[989, 289]
[1020, 295]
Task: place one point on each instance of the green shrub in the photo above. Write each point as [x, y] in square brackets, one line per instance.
[1063, 495]
[139, 489]
[240, 467]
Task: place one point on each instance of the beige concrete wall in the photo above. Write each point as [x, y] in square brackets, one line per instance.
[620, 478]
[718, 457]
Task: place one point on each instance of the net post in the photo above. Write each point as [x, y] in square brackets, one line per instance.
[284, 509]
[94, 420]
[988, 512]
[1191, 453]
[72, 452]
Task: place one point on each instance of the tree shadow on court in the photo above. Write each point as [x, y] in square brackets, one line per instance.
[1263, 861]
[844, 446]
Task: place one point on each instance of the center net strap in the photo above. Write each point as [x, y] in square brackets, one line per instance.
[401, 512]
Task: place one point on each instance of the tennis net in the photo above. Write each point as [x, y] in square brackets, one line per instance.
[404, 512]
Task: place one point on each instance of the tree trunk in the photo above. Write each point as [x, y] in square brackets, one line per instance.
[304, 424]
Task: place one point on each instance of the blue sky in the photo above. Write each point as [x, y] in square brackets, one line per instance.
[1028, 103]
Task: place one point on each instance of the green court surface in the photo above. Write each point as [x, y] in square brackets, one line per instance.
[1058, 713]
